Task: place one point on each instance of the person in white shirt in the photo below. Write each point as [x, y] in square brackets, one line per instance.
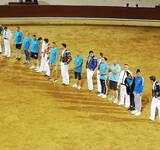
[42, 67]
[99, 60]
[65, 60]
[124, 97]
[7, 35]
[155, 98]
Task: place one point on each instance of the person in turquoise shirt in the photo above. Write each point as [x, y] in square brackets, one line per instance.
[18, 42]
[113, 80]
[34, 52]
[103, 69]
[54, 52]
[78, 63]
[26, 45]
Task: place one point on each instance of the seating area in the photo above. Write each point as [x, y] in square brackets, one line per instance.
[123, 3]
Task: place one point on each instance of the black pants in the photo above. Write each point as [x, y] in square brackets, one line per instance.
[132, 103]
[103, 86]
[27, 55]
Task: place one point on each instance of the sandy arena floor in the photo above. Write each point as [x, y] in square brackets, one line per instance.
[36, 115]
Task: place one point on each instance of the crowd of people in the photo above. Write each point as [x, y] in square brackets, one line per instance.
[43, 56]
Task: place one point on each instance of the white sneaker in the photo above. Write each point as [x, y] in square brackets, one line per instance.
[32, 67]
[134, 112]
[120, 104]
[115, 101]
[100, 94]
[138, 113]
[79, 87]
[37, 69]
[74, 85]
[104, 96]
[126, 106]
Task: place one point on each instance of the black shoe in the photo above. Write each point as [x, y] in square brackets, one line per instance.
[131, 109]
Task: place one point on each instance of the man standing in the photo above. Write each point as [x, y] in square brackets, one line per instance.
[43, 59]
[1, 33]
[26, 45]
[91, 66]
[98, 73]
[155, 98]
[103, 68]
[18, 42]
[7, 42]
[113, 80]
[54, 52]
[130, 85]
[124, 97]
[78, 62]
[65, 60]
[138, 90]
[34, 52]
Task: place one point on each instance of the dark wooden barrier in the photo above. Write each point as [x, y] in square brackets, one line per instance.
[79, 11]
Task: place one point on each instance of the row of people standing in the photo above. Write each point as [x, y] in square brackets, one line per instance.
[130, 87]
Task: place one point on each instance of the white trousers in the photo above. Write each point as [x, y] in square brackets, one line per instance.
[138, 102]
[99, 89]
[0, 44]
[155, 104]
[7, 48]
[90, 79]
[47, 67]
[64, 73]
[124, 97]
[43, 64]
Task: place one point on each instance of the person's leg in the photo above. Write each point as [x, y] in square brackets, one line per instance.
[136, 101]
[132, 100]
[51, 71]
[79, 80]
[89, 79]
[101, 82]
[26, 56]
[115, 95]
[139, 103]
[8, 48]
[48, 69]
[5, 47]
[153, 108]
[158, 107]
[127, 98]
[62, 72]
[98, 82]
[122, 94]
[66, 67]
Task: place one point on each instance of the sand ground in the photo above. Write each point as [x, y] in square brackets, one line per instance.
[36, 115]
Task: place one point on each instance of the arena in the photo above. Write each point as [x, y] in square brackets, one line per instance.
[36, 114]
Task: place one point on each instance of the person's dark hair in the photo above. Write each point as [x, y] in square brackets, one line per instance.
[54, 42]
[40, 38]
[5, 28]
[64, 45]
[101, 54]
[46, 40]
[138, 71]
[128, 73]
[90, 52]
[152, 78]
[126, 64]
[105, 58]
[34, 35]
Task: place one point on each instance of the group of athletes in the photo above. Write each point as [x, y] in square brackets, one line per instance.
[43, 56]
